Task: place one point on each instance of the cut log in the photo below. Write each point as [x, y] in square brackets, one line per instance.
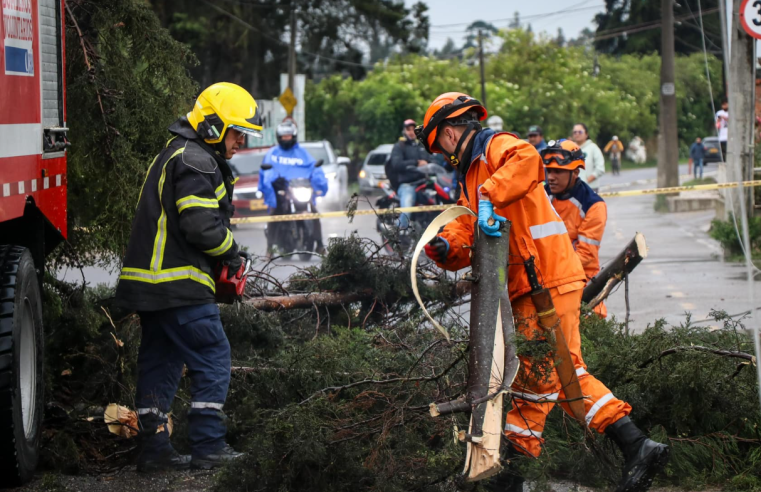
[606, 280]
[493, 362]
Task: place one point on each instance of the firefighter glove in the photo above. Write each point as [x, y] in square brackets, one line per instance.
[233, 266]
[437, 249]
[486, 212]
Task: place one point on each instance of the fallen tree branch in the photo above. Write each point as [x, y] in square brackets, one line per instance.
[698, 348]
[327, 299]
[600, 287]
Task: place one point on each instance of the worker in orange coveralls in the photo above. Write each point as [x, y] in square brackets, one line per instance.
[583, 211]
[500, 178]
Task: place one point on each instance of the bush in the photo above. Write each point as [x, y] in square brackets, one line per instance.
[729, 234]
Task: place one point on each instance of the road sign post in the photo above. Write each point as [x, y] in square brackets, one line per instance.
[288, 100]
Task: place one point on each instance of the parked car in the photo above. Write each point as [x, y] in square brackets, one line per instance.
[335, 171]
[247, 198]
[713, 150]
[372, 176]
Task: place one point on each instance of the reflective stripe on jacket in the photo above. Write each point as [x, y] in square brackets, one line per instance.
[509, 171]
[181, 228]
[585, 214]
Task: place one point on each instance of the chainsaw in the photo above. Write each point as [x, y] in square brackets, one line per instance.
[229, 290]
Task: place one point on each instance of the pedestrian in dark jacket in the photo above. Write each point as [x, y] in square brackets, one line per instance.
[180, 236]
[407, 152]
[697, 154]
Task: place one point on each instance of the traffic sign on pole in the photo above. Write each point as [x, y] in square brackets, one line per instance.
[288, 100]
[750, 17]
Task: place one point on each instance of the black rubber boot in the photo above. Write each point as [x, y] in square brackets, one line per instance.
[155, 452]
[508, 480]
[216, 459]
[643, 457]
[168, 461]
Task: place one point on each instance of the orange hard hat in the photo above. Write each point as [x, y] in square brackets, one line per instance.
[448, 106]
[562, 154]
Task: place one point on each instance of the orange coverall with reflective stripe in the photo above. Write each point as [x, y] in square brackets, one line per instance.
[585, 214]
[509, 171]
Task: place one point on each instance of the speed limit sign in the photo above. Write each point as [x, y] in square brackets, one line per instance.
[750, 17]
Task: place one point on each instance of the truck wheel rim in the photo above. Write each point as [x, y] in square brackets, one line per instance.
[27, 367]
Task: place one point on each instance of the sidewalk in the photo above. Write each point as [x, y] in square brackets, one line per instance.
[684, 271]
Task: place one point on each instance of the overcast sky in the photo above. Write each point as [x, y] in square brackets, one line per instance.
[544, 15]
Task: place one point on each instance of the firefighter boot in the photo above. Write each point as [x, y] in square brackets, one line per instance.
[216, 459]
[155, 453]
[509, 479]
[643, 457]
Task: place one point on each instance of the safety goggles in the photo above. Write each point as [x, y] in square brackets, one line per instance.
[246, 131]
[563, 157]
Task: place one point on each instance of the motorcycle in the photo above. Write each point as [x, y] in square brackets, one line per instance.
[434, 188]
[294, 197]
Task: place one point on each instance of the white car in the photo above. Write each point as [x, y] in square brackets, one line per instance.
[335, 171]
[373, 172]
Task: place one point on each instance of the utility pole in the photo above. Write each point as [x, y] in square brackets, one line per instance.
[741, 88]
[481, 64]
[292, 50]
[668, 146]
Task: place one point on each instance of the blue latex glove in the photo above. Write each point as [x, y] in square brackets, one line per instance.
[486, 212]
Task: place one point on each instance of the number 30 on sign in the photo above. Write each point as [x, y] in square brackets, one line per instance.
[750, 17]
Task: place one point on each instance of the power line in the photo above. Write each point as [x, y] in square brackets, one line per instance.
[527, 17]
[645, 26]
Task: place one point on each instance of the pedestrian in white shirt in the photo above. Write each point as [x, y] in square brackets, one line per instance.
[722, 125]
[593, 159]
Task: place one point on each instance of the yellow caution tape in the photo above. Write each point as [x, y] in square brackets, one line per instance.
[439, 208]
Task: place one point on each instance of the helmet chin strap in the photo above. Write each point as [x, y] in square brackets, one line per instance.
[565, 194]
[453, 159]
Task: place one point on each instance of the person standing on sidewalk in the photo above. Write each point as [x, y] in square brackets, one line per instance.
[592, 155]
[697, 154]
[614, 150]
[180, 237]
[722, 125]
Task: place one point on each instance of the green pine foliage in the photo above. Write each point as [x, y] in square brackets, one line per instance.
[126, 81]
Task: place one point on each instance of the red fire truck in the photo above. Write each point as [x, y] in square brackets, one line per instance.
[32, 214]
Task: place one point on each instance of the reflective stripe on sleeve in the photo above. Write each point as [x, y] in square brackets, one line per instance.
[578, 205]
[580, 371]
[597, 406]
[196, 201]
[168, 275]
[549, 229]
[585, 239]
[522, 432]
[222, 248]
[207, 404]
[220, 192]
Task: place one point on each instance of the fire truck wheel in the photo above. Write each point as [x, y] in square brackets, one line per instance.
[21, 361]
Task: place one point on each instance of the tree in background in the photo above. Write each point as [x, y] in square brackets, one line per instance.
[530, 81]
[247, 42]
[646, 15]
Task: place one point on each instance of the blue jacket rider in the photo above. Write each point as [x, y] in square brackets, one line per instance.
[290, 161]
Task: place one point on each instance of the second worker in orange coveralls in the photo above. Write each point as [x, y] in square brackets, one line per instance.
[501, 177]
[583, 211]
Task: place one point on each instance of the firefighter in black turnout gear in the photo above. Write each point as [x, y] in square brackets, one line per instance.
[180, 238]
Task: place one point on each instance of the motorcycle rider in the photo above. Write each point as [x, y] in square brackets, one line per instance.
[290, 161]
[500, 179]
[407, 152]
